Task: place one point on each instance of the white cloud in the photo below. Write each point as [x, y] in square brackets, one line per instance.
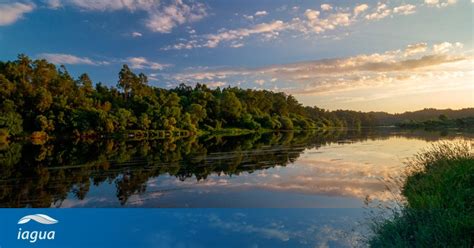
[268, 30]
[431, 2]
[237, 45]
[446, 47]
[326, 7]
[309, 23]
[216, 84]
[168, 17]
[68, 59]
[440, 3]
[381, 12]
[54, 4]
[113, 5]
[248, 17]
[137, 34]
[11, 12]
[161, 17]
[406, 9]
[360, 8]
[413, 49]
[261, 13]
[143, 63]
[319, 25]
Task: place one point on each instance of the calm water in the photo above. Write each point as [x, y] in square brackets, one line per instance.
[331, 175]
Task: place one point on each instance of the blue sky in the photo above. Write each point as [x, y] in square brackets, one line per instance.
[362, 55]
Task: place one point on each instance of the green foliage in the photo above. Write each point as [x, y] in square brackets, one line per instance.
[440, 202]
[442, 122]
[35, 95]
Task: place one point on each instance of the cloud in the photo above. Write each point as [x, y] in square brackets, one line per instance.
[161, 17]
[113, 5]
[406, 9]
[360, 8]
[68, 59]
[414, 63]
[326, 7]
[413, 49]
[440, 3]
[248, 17]
[261, 13]
[381, 12]
[319, 25]
[54, 4]
[134, 62]
[168, 17]
[137, 34]
[268, 30]
[309, 23]
[11, 12]
[445, 47]
[216, 84]
[143, 63]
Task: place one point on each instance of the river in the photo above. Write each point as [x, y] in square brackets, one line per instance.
[319, 186]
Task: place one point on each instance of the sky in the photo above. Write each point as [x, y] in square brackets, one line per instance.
[390, 55]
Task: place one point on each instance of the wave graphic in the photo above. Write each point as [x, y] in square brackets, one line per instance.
[40, 218]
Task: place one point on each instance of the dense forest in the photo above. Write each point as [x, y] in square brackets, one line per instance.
[38, 98]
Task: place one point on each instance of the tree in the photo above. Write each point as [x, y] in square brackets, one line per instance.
[230, 106]
[126, 80]
[43, 99]
[443, 117]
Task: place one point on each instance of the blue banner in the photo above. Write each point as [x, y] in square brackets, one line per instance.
[179, 227]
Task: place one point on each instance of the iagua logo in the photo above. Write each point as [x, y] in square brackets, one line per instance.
[33, 236]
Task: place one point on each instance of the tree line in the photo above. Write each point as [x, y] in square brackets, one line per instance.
[35, 95]
[38, 97]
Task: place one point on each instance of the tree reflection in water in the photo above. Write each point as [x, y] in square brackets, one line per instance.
[45, 175]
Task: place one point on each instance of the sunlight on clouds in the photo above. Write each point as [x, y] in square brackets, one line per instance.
[380, 12]
[440, 3]
[360, 9]
[413, 49]
[406, 9]
[417, 68]
[326, 7]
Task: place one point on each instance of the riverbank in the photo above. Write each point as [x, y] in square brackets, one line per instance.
[441, 123]
[439, 208]
[40, 137]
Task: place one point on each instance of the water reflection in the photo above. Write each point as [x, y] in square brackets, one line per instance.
[302, 169]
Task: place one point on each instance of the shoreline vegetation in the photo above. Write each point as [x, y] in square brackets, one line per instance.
[39, 101]
[439, 207]
[443, 122]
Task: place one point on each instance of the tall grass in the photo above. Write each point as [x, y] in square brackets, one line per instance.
[439, 206]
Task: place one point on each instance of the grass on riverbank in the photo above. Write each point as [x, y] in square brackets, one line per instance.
[439, 209]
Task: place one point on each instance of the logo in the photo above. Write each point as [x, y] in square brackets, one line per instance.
[33, 236]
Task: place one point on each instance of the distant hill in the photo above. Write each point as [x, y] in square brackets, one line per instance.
[426, 114]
